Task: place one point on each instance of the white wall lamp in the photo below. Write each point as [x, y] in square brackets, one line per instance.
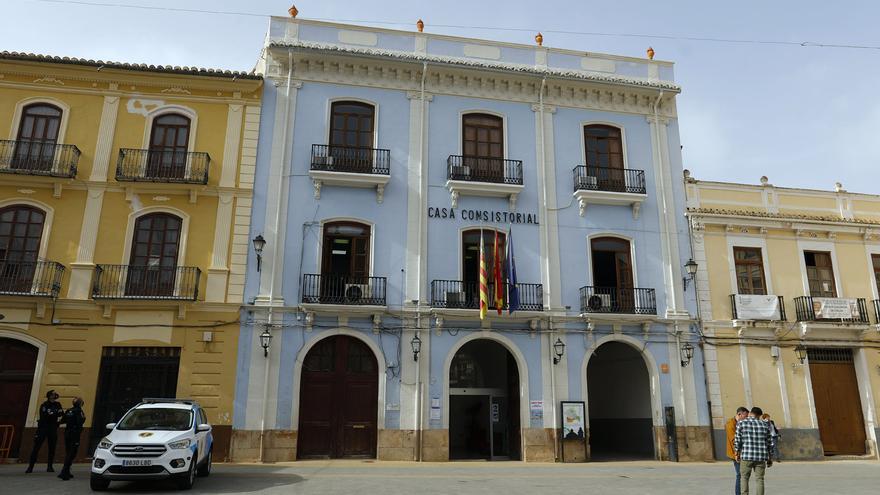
[559, 349]
[687, 353]
[691, 269]
[265, 341]
[259, 244]
[416, 344]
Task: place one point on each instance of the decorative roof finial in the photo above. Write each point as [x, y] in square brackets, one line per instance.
[293, 11]
[764, 180]
[539, 39]
[650, 53]
[420, 25]
[838, 187]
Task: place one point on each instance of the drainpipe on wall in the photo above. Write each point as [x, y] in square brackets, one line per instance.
[271, 321]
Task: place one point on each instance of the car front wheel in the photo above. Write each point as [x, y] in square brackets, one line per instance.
[98, 483]
[205, 469]
[186, 480]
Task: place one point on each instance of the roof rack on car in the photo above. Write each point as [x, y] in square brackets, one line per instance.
[155, 400]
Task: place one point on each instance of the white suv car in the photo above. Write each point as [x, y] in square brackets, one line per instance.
[156, 439]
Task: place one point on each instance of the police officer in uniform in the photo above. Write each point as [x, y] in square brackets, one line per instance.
[47, 429]
[74, 419]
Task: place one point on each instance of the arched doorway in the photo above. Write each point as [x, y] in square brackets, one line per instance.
[484, 419]
[338, 400]
[18, 362]
[619, 388]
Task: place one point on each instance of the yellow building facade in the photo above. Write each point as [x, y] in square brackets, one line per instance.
[125, 199]
[788, 287]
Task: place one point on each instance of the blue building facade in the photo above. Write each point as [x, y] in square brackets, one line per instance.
[388, 162]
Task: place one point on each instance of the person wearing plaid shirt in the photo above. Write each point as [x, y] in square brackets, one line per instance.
[753, 444]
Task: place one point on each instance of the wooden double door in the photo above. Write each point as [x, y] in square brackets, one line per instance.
[338, 400]
[838, 407]
[18, 361]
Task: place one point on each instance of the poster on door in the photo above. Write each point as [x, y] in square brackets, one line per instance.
[572, 420]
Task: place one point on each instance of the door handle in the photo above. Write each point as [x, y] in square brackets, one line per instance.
[359, 427]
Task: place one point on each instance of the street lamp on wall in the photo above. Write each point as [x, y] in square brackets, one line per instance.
[559, 349]
[687, 353]
[800, 351]
[259, 244]
[265, 341]
[691, 269]
[416, 344]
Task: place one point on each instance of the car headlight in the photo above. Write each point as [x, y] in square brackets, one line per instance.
[180, 444]
[105, 444]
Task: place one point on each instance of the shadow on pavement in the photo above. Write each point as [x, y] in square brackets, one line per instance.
[222, 482]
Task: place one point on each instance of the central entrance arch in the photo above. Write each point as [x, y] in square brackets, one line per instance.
[620, 403]
[484, 409]
[338, 400]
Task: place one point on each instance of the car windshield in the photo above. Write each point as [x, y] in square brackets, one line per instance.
[155, 418]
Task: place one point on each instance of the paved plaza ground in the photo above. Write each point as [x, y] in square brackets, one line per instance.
[507, 478]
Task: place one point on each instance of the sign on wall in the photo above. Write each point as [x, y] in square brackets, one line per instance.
[573, 424]
[757, 307]
[825, 308]
[493, 216]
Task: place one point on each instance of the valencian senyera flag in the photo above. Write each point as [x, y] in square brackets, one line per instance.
[484, 281]
[513, 291]
[496, 268]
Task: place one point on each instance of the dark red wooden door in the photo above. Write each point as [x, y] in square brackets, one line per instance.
[17, 363]
[838, 407]
[338, 400]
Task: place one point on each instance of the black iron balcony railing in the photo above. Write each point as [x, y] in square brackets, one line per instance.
[737, 314]
[38, 158]
[30, 278]
[481, 169]
[180, 167]
[351, 159]
[831, 309]
[177, 283]
[625, 180]
[343, 289]
[457, 294]
[618, 300]
[877, 310]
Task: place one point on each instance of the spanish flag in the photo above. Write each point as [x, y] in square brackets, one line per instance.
[484, 281]
[499, 285]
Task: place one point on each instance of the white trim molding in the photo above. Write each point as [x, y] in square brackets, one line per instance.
[49, 215]
[19, 108]
[135, 215]
[33, 402]
[187, 112]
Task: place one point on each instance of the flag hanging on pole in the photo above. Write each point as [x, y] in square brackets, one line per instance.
[484, 282]
[499, 285]
[513, 290]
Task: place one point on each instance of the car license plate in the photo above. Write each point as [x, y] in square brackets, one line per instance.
[137, 462]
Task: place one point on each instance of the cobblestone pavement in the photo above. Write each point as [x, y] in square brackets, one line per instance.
[390, 478]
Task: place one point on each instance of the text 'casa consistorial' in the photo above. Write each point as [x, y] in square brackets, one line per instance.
[483, 215]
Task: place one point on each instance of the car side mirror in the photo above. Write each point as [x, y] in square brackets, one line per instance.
[203, 427]
[110, 426]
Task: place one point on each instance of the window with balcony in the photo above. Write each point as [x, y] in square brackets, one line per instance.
[168, 157]
[349, 158]
[21, 271]
[35, 150]
[345, 268]
[482, 161]
[820, 274]
[602, 179]
[613, 290]
[749, 266]
[875, 262]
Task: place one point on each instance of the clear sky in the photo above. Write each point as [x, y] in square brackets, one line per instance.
[803, 116]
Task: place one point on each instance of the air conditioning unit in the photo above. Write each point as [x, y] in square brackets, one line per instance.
[455, 300]
[356, 293]
[588, 182]
[461, 172]
[323, 160]
[599, 302]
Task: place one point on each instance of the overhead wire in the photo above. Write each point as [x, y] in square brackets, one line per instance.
[670, 37]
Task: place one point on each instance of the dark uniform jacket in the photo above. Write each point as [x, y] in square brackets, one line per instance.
[50, 413]
[74, 419]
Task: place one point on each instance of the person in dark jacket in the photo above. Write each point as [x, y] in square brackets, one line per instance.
[74, 419]
[47, 429]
